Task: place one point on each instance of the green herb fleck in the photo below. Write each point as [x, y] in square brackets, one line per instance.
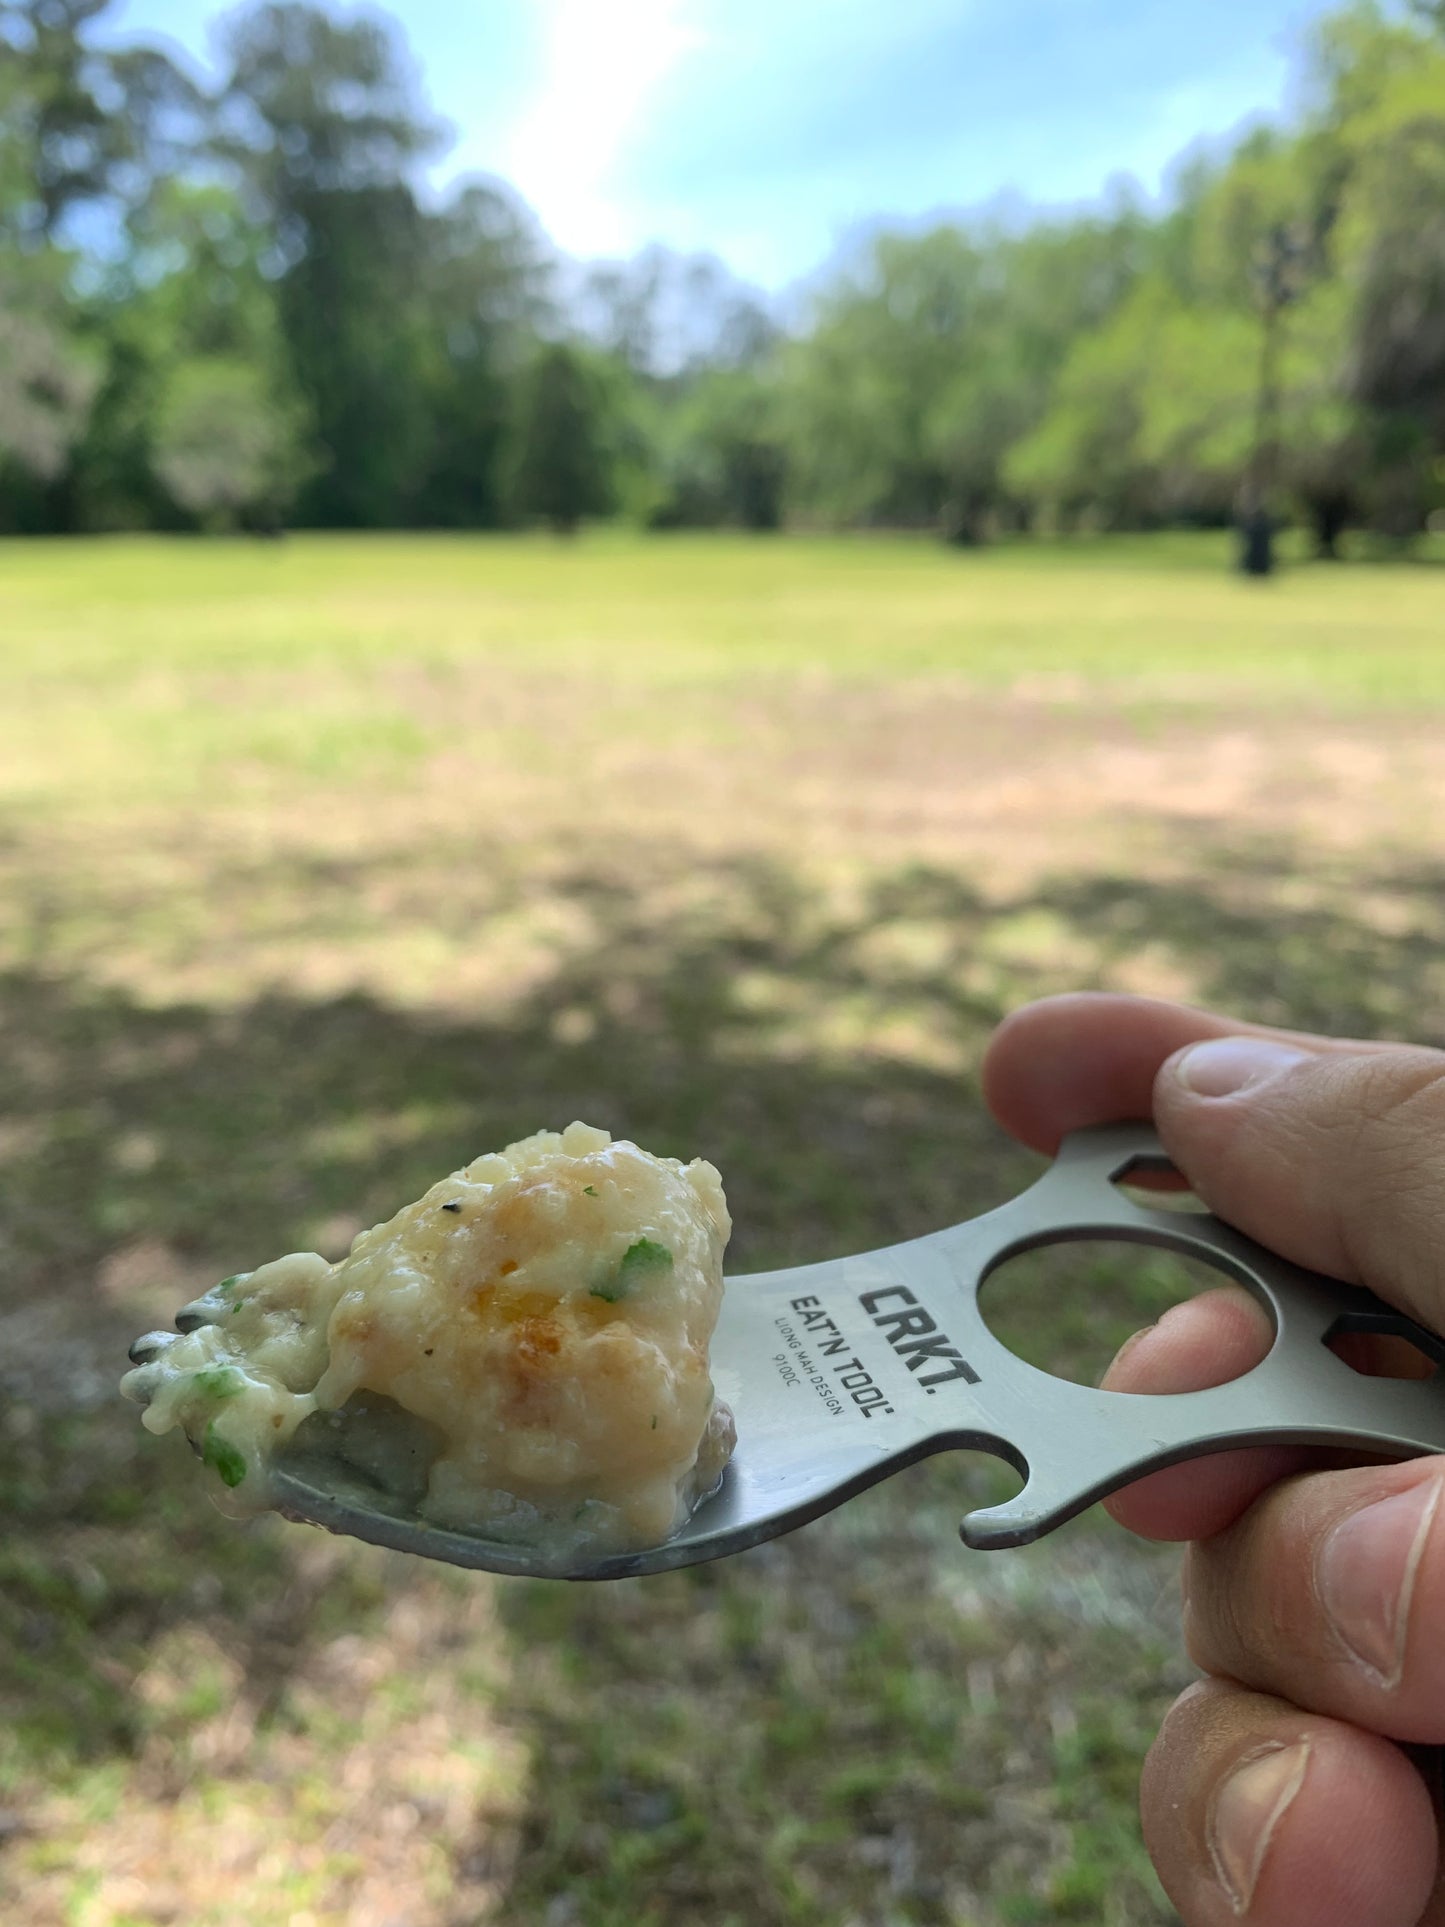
[590, 1190]
[639, 1262]
[228, 1285]
[644, 1256]
[217, 1381]
[222, 1457]
[654, 1421]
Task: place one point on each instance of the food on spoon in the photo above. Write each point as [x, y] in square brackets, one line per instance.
[527, 1344]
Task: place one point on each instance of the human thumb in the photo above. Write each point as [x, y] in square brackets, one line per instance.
[1334, 1160]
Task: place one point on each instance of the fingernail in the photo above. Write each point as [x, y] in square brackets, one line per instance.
[1246, 1814]
[1130, 1344]
[1225, 1065]
[1365, 1576]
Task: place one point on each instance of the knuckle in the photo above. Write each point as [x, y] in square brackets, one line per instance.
[1402, 1090]
[1389, 1150]
[1219, 1606]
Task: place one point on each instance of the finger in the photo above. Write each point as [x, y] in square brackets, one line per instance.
[1328, 1592]
[1254, 1810]
[1206, 1341]
[1210, 1340]
[1091, 1058]
[1336, 1160]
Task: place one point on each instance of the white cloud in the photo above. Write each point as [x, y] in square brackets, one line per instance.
[603, 60]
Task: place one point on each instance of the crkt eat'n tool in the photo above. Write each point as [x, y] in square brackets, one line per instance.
[842, 1372]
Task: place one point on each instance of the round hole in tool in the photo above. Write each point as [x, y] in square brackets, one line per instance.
[1068, 1305]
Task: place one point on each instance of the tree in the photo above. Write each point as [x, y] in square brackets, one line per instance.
[229, 454]
[1082, 459]
[47, 383]
[86, 124]
[487, 293]
[1154, 417]
[197, 268]
[1152, 413]
[206, 330]
[937, 353]
[1392, 254]
[886, 342]
[561, 467]
[663, 313]
[320, 118]
[197, 416]
[718, 454]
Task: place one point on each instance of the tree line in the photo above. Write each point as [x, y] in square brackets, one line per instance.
[228, 307]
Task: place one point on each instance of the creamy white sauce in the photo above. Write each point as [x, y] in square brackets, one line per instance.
[544, 1313]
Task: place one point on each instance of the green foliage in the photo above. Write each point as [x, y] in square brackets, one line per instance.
[289, 333]
[1084, 454]
[81, 124]
[927, 365]
[318, 116]
[226, 450]
[1154, 416]
[560, 468]
[719, 453]
[1392, 250]
[47, 382]
[884, 348]
[486, 296]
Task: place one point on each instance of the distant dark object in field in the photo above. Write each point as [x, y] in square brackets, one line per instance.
[1331, 518]
[1256, 538]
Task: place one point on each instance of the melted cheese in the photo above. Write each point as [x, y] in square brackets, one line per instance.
[545, 1313]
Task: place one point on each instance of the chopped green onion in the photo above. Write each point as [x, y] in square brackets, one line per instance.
[217, 1381]
[590, 1190]
[222, 1457]
[639, 1261]
[644, 1256]
[229, 1284]
[654, 1421]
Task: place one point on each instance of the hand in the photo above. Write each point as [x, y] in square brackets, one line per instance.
[1280, 1790]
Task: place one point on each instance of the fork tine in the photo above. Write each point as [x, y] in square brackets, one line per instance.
[150, 1346]
[139, 1385]
[201, 1311]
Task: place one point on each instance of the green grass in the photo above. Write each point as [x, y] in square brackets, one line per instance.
[325, 865]
[1143, 611]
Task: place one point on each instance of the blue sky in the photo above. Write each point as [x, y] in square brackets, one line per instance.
[765, 130]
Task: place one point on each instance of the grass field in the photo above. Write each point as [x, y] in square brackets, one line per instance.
[326, 864]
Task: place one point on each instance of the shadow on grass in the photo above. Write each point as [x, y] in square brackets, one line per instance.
[731, 1744]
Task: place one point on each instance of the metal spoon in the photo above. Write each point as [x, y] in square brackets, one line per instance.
[841, 1373]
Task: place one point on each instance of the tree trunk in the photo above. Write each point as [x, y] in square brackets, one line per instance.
[1256, 532]
[1330, 517]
